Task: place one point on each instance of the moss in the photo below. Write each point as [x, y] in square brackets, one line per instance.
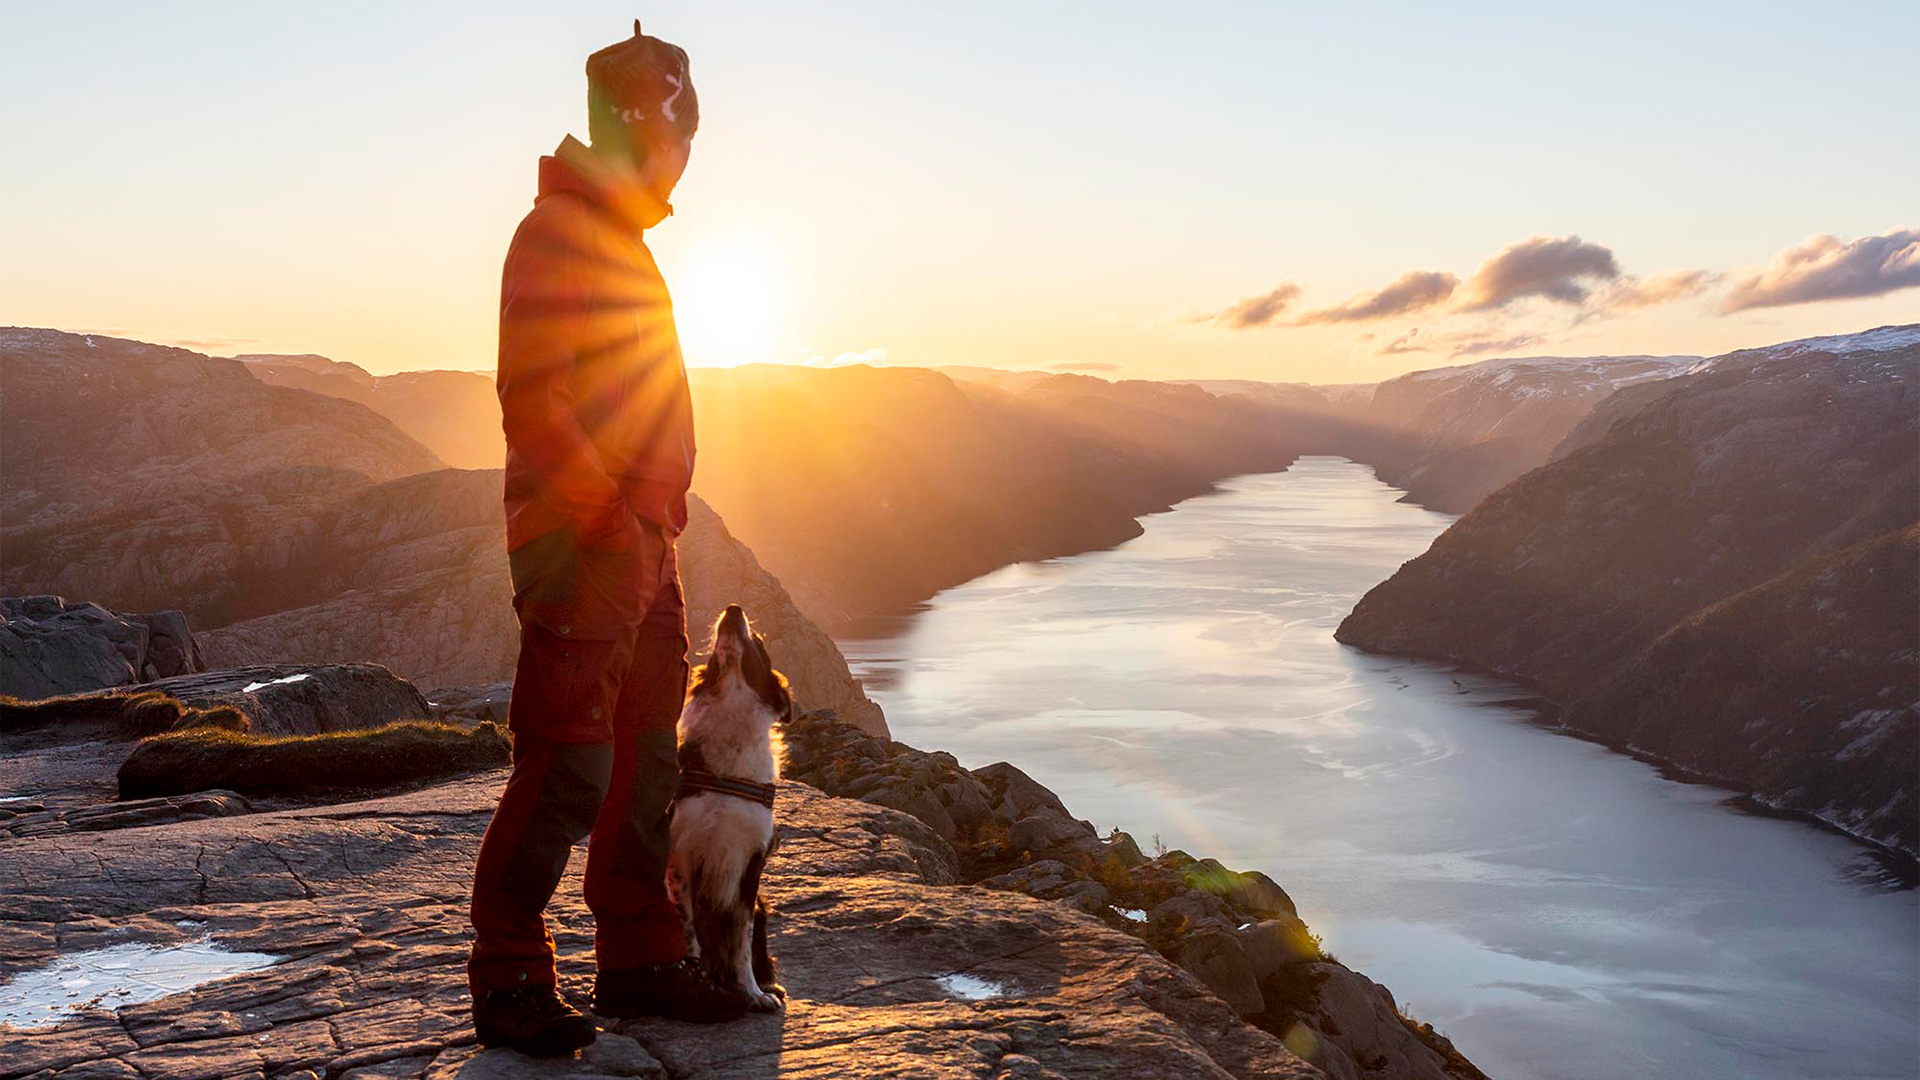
[133, 711]
[129, 712]
[220, 717]
[202, 758]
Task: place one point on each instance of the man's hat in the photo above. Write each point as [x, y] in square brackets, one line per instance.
[643, 82]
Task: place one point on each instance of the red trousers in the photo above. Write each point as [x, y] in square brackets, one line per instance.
[597, 692]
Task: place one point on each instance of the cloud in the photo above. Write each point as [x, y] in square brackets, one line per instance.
[865, 356]
[1088, 366]
[1411, 291]
[209, 344]
[1632, 294]
[1823, 268]
[1403, 344]
[1487, 345]
[1255, 311]
[1557, 268]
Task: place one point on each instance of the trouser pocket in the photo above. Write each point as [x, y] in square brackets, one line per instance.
[566, 688]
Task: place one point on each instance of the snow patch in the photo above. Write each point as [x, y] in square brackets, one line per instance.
[252, 686]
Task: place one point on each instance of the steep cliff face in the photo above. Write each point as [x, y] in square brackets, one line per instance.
[1604, 569]
[1805, 689]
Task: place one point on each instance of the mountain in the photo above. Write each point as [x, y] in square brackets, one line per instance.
[1451, 436]
[867, 489]
[454, 413]
[414, 572]
[94, 422]
[1714, 570]
[297, 526]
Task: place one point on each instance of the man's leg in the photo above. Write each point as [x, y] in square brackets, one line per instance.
[563, 696]
[635, 923]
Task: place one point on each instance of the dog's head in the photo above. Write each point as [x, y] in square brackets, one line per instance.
[737, 657]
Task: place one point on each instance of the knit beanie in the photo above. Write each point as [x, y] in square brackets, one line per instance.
[640, 91]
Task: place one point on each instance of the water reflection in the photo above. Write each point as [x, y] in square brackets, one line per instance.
[1559, 909]
[117, 976]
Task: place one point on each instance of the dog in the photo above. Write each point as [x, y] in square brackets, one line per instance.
[722, 820]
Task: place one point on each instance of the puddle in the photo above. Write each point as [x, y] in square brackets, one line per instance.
[971, 987]
[118, 975]
[252, 686]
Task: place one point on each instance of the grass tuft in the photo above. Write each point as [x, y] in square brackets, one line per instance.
[203, 758]
[131, 712]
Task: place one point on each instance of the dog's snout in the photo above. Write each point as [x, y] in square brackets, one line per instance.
[732, 623]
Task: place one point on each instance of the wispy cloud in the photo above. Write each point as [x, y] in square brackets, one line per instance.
[1405, 343]
[1254, 311]
[1632, 294]
[865, 356]
[1477, 347]
[1822, 267]
[210, 344]
[1562, 268]
[1410, 292]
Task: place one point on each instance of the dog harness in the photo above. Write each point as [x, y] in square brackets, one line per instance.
[698, 780]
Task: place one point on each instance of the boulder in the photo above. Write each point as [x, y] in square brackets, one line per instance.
[1217, 960]
[50, 646]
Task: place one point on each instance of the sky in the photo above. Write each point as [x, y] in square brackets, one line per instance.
[1290, 192]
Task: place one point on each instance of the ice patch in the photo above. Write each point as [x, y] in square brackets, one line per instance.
[116, 976]
[970, 987]
[1133, 913]
[252, 686]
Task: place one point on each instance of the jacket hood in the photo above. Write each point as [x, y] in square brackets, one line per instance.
[574, 168]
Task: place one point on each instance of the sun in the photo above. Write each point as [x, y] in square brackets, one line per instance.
[726, 302]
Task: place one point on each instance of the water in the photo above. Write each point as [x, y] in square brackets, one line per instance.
[970, 987]
[117, 976]
[1558, 909]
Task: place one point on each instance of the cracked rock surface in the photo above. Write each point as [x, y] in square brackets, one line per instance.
[894, 968]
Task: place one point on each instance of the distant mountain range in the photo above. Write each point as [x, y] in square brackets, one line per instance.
[868, 489]
[296, 526]
[456, 414]
[1719, 569]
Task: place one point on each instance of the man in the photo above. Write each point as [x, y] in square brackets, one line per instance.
[599, 427]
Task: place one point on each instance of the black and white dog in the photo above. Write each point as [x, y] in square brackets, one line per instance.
[722, 825]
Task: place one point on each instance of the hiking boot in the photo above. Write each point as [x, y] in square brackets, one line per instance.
[533, 1020]
[679, 991]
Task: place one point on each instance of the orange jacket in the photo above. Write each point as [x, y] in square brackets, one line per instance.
[593, 389]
